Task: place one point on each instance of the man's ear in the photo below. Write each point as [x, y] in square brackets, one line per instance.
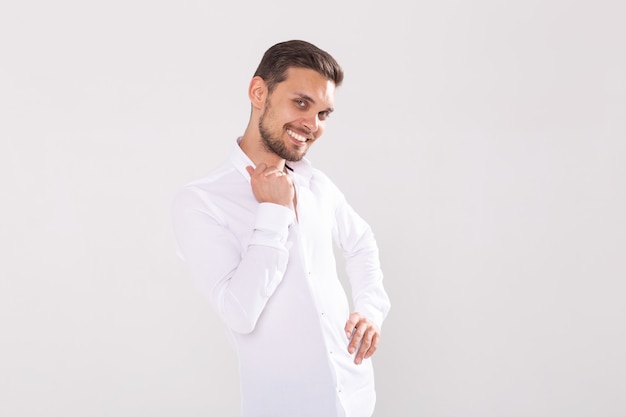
[257, 92]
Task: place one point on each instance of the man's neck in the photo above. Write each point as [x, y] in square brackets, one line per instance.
[256, 151]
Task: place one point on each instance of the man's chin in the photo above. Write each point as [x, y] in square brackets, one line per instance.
[295, 157]
[296, 154]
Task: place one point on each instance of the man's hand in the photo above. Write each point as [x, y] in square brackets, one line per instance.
[271, 185]
[365, 337]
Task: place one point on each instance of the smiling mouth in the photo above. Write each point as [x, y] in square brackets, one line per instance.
[297, 137]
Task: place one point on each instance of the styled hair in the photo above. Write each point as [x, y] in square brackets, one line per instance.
[299, 54]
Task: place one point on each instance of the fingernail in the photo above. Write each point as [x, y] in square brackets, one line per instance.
[351, 349]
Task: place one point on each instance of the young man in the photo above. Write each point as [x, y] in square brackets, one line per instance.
[258, 235]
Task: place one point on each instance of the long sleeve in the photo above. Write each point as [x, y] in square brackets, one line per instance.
[236, 275]
[361, 254]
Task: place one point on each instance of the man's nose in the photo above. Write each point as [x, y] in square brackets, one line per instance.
[312, 123]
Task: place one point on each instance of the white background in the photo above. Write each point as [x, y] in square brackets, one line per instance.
[484, 141]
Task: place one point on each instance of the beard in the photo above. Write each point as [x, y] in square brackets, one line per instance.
[276, 145]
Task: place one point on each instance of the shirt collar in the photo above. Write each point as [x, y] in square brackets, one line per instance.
[240, 160]
[301, 170]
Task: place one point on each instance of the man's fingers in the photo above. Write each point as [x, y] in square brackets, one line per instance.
[362, 345]
[351, 324]
[263, 169]
[273, 172]
[367, 350]
[357, 337]
[369, 344]
[258, 169]
[373, 346]
[364, 337]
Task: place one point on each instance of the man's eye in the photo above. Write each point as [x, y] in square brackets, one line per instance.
[301, 103]
[323, 115]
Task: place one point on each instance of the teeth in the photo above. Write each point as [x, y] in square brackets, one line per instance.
[296, 136]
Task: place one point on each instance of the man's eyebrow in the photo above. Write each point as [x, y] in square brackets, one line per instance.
[312, 101]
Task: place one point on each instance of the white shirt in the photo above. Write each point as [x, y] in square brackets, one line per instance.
[273, 281]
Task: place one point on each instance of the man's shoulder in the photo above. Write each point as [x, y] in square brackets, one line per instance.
[215, 178]
[223, 182]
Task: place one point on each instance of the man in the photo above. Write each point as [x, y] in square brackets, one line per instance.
[258, 235]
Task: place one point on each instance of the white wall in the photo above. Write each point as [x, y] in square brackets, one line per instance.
[484, 141]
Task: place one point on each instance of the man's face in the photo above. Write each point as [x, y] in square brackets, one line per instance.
[295, 113]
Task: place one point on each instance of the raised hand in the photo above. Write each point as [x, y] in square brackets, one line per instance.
[271, 185]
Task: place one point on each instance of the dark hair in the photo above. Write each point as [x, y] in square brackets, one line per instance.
[296, 53]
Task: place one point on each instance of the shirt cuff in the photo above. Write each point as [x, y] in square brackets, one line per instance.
[271, 227]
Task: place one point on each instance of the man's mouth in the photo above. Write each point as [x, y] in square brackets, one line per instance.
[298, 137]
